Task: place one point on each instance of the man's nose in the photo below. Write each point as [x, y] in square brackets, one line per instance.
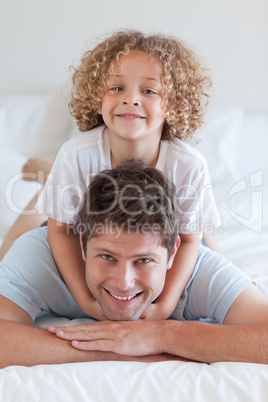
[125, 276]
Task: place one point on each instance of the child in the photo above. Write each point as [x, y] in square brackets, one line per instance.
[135, 97]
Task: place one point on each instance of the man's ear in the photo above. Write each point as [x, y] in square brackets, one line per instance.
[174, 251]
[81, 245]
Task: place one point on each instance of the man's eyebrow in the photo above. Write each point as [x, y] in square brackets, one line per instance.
[139, 255]
[145, 254]
[105, 250]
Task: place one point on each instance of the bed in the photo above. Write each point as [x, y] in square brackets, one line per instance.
[235, 143]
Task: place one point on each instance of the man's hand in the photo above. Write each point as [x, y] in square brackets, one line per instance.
[132, 338]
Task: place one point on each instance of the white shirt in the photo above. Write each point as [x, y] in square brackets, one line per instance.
[87, 154]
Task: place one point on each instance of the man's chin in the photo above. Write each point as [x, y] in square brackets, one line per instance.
[121, 315]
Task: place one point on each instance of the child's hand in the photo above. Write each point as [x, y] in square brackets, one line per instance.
[156, 312]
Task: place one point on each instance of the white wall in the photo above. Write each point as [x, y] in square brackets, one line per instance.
[39, 39]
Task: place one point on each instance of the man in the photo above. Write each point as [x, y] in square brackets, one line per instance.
[129, 238]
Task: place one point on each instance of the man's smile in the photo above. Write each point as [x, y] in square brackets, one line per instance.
[122, 300]
[122, 297]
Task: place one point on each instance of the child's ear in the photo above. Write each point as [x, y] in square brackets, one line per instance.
[174, 251]
[82, 246]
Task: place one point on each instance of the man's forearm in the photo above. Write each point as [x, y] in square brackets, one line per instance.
[194, 341]
[212, 343]
[27, 346]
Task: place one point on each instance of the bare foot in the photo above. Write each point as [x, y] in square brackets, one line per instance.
[36, 169]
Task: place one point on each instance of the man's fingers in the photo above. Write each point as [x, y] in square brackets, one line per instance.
[132, 338]
[79, 332]
[78, 335]
[102, 345]
[109, 346]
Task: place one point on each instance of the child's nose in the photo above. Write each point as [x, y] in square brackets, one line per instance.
[131, 98]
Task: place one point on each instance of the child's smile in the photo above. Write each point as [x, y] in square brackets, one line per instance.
[130, 117]
[132, 106]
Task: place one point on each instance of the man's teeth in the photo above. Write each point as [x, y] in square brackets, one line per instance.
[122, 297]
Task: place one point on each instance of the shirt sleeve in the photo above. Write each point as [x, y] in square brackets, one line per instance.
[213, 287]
[197, 208]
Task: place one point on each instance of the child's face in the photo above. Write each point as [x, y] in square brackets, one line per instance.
[132, 106]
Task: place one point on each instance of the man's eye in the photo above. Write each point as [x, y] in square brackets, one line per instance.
[107, 257]
[144, 260]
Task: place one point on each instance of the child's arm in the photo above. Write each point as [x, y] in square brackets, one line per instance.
[211, 242]
[67, 254]
[176, 279]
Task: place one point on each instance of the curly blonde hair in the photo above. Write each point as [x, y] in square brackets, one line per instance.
[184, 79]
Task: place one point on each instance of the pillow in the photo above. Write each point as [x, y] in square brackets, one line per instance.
[219, 145]
[219, 138]
[34, 125]
[237, 169]
[15, 193]
[30, 125]
[253, 144]
[253, 167]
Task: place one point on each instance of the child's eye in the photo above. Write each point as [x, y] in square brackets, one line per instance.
[149, 91]
[116, 89]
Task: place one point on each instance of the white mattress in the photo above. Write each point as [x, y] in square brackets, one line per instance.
[127, 382]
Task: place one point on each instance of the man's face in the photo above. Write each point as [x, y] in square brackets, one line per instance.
[125, 273]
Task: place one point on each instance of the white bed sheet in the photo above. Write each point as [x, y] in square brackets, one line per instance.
[129, 382]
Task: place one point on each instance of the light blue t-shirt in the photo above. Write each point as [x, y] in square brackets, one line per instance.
[29, 278]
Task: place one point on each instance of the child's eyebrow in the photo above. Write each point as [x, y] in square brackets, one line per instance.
[145, 78]
[151, 78]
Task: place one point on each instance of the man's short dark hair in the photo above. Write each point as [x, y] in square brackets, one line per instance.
[134, 198]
